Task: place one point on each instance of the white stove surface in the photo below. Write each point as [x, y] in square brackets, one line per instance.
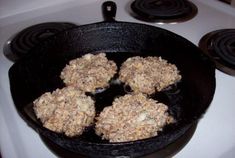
[215, 134]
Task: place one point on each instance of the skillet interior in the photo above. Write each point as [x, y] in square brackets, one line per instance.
[39, 72]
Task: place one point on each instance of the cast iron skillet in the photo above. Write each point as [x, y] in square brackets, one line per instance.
[188, 100]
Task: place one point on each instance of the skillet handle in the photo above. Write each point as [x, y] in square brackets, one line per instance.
[109, 9]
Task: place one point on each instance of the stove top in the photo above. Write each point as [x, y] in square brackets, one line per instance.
[215, 131]
[219, 45]
[166, 11]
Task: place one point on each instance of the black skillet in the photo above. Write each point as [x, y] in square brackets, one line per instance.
[39, 72]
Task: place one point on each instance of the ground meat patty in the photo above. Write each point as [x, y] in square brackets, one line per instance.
[132, 117]
[147, 75]
[89, 72]
[66, 110]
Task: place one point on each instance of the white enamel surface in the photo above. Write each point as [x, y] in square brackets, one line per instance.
[215, 134]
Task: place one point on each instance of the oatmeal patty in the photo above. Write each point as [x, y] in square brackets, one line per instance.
[66, 110]
[147, 75]
[89, 72]
[132, 117]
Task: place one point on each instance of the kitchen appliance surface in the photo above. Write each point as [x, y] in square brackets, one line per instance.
[215, 132]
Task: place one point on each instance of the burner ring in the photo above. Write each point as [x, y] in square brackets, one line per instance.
[224, 46]
[164, 10]
[219, 45]
[19, 46]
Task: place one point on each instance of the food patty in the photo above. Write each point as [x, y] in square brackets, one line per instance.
[89, 72]
[66, 110]
[132, 117]
[147, 75]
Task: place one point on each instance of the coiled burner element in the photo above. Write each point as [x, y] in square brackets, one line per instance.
[167, 11]
[220, 46]
[18, 46]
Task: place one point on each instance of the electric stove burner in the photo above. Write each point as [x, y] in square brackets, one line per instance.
[18, 46]
[168, 151]
[219, 45]
[166, 11]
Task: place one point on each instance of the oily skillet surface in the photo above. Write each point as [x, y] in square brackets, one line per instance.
[39, 72]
